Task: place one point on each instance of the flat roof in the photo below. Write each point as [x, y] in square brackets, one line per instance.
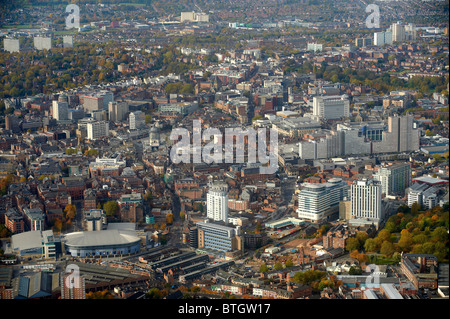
[108, 237]
[27, 240]
[429, 180]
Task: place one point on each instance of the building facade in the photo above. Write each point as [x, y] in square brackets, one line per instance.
[317, 202]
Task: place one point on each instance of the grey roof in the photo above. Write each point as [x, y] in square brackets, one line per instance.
[103, 237]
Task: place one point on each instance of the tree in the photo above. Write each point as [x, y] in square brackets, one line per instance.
[352, 243]
[70, 211]
[148, 119]
[263, 268]
[288, 263]
[182, 215]
[169, 218]
[370, 245]
[111, 208]
[387, 248]
[355, 270]
[278, 266]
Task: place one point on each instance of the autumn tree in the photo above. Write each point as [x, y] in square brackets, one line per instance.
[70, 211]
[111, 208]
[352, 243]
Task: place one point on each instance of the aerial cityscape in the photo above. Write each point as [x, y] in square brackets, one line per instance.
[206, 150]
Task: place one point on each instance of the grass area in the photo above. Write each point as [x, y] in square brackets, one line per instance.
[382, 260]
[65, 32]
[18, 26]
[132, 4]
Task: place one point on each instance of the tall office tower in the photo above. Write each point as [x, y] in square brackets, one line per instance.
[405, 137]
[60, 110]
[117, 111]
[72, 287]
[217, 202]
[381, 38]
[394, 178]
[398, 32]
[97, 129]
[365, 197]
[137, 120]
[331, 107]
[316, 202]
[410, 32]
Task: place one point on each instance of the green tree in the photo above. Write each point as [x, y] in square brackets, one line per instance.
[370, 245]
[352, 243]
[263, 268]
[278, 266]
[111, 208]
[387, 248]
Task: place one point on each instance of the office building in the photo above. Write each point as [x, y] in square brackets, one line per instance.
[382, 38]
[97, 129]
[137, 120]
[194, 17]
[317, 202]
[332, 107]
[67, 41]
[398, 136]
[42, 43]
[219, 237]
[117, 111]
[423, 194]
[365, 196]
[11, 45]
[395, 179]
[363, 42]
[60, 111]
[316, 47]
[217, 202]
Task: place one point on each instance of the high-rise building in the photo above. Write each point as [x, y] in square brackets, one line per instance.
[365, 197]
[317, 202]
[67, 41]
[60, 110]
[217, 202]
[117, 111]
[41, 43]
[398, 32]
[395, 179]
[97, 129]
[11, 45]
[73, 286]
[331, 107]
[363, 42]
[381, 38]
[137, 120]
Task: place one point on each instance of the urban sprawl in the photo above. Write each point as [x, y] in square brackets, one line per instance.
[93, 204]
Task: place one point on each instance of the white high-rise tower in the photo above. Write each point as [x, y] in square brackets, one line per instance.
[217, 202]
